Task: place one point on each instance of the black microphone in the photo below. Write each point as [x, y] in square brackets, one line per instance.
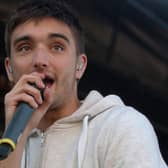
[15, 128]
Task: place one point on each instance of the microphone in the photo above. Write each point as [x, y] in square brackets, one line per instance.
[15, 128]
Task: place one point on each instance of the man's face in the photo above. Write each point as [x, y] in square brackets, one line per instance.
[47, 46]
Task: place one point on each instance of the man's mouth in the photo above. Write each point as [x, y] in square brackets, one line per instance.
[48, 81]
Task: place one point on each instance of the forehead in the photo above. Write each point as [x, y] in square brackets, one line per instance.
[38, 28]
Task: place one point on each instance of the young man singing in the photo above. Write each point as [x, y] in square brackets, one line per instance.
[45, 47]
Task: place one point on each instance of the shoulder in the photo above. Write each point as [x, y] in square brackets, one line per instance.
[127, 121]
[129, 116]
[131, 140]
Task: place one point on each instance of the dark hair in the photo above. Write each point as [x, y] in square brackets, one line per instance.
[37, 9]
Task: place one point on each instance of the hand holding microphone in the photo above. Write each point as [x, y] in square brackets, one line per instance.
[17, 125]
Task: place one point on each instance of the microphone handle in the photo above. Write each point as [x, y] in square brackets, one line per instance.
[15, 129]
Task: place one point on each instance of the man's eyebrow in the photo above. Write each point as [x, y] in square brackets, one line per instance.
[58, 35]
[52, 35]
[19, 39]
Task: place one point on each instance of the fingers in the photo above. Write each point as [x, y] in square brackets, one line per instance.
[24, 91]
[34, 93]
[27, 98]
[25, 85]
[34, 78]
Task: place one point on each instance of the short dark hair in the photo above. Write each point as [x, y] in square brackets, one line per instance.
[37, 9]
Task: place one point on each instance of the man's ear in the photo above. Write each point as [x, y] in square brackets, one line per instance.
[8, 68]
[81, 66]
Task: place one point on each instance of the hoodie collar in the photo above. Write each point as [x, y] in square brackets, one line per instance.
[91, 106]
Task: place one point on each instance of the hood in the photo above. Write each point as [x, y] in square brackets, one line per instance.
[91, 106]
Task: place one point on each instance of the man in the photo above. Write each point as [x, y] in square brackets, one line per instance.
[45, 47]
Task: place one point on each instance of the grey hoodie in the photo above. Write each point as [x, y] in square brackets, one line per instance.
[102, 133]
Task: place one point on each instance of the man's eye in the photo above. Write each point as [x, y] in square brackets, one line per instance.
[57, 48]
[24, 48]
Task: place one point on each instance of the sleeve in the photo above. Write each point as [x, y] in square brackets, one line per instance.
[134, 144]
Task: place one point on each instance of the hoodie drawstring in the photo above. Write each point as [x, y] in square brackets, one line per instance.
[82, 141]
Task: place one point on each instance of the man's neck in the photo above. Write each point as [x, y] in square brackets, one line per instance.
[56, 114]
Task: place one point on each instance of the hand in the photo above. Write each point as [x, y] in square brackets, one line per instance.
[23, 91]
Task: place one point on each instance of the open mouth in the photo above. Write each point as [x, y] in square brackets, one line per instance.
[48, 81]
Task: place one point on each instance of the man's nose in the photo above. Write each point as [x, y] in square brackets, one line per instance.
[40, 59]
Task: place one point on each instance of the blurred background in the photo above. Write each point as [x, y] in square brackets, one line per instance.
[127, 46]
